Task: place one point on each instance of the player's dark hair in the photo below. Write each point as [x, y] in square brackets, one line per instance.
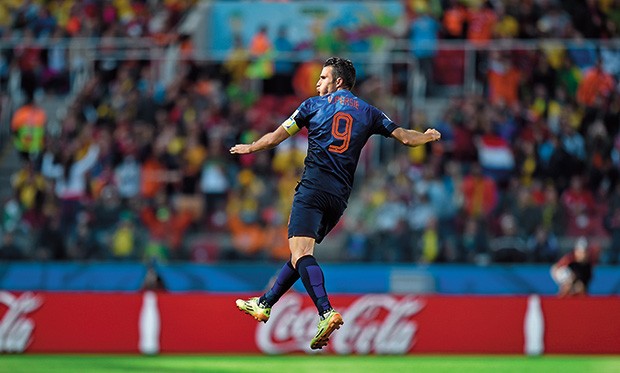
[342, 68]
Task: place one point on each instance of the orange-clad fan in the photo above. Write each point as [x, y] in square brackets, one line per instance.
[28, 126]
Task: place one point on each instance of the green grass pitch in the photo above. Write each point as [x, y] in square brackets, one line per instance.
[305, 363]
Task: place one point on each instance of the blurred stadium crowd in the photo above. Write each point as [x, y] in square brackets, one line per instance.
[140, 167]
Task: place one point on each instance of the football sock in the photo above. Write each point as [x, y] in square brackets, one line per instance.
[285, 280]
[312, 277]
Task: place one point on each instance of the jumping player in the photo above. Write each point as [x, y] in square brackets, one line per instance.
[339, 125]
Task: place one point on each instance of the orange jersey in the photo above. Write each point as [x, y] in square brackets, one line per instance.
[596, 83]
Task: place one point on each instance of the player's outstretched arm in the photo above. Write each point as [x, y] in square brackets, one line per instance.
[267, 141]
[414, 138]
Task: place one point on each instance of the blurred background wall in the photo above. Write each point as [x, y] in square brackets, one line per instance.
[116, 118]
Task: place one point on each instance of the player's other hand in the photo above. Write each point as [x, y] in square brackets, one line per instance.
[435, 135]
[240, 149]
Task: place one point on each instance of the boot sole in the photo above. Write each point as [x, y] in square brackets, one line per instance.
[334, 324]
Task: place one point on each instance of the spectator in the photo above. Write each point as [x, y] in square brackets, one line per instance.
[479, 193]
[260, 48]
[554, 216]
[260, 43]
[526, 212]
[599, 165]
[429, 243]
[574, 144]
[127, 177]
[55, 77]
[581, 52]
[613, 18]
[527, 162]
[237, 61]
[152, 280]
[389, 241]
[30, 189]
[276, 236]
[11, 216]
[45, 24]
[358, 225]
[595, 87]
[543, 246]
[9, 250]
[283, 66]
[193, 156]
[422, 219]
[559, 103]
[555, 162]
[504, 79]
[610, 60]
[214, 184]
[68, 173]
[166, 227]
[304, 78]
[30, 62]
[569, 76]
[528, 15]
[481, 22]
[509, 246]
[507, 26]
[28, 126]
[106, 211]
[554, 21]
[51, 242]
[82, 245]
[445, 196]
[423, 40]
[464, 149]
[574, 271]
[154, 175]
[612, 224]
[474, 244]
[544, 80]
[580, 207]
[454, 20]
[589, 19]
[124, 239]
[248, 237]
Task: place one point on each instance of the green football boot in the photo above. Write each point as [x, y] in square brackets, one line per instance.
[253, 308]
[328, 323]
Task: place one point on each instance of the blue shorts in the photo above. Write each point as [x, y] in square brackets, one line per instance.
[314, 213]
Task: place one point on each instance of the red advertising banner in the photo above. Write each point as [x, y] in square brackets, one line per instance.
[69, 322]
[374, 324]
[582, 325]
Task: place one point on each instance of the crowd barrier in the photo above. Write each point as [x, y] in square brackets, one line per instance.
[341, 278]
[159, 323]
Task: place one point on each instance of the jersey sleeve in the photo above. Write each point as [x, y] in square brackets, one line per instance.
[383, 125]
[298, 119]
[565, 260]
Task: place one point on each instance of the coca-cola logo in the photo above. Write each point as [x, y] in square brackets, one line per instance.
[378, 324]
[15, 327]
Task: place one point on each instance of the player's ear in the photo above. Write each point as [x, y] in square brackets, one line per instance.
[339, 82]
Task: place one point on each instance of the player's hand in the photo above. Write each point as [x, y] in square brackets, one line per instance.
[240, 149]
[435, 135]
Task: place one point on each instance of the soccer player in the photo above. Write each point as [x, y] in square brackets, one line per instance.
[339, 125]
